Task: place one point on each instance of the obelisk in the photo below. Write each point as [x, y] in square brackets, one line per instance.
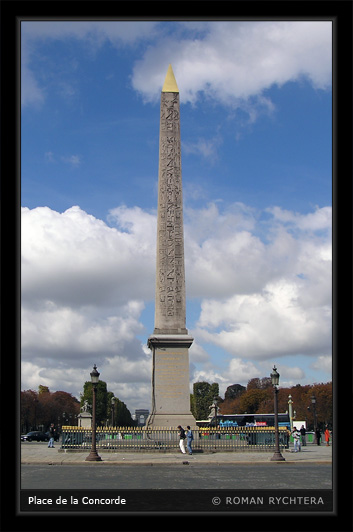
[170, 341]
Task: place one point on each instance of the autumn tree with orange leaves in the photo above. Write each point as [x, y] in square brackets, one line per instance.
[39, 409]
[257, 398]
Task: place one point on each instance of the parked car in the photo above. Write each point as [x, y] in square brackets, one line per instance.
[35, 435]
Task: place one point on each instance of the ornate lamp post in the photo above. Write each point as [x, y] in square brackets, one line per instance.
[113, 407]
[290, 407]
[93, 455]
[277, 457]
[313, 401]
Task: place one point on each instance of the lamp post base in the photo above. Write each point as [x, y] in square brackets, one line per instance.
[277, 457]
[93, 457]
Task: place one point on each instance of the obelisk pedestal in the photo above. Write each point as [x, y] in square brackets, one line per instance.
[170, 381]
[170, 341]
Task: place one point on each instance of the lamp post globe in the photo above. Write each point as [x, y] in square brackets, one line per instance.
[275, 376]
[277, 456]
[93, 455]
[94, 375]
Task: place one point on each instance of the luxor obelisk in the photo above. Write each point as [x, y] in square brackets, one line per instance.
[170, 341]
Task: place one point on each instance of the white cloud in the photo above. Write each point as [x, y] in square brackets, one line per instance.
[75, 259]
[31, 92]
[273, 322]
[73, 160]
[323, 363]
[85, 285]
[315, 221]
[234, 61]
[265, 298]
[207, 148]
[229, 62]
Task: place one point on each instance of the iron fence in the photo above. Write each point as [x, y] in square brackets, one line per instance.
[167, 439]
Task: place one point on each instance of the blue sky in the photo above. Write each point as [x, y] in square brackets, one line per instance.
[257, 178]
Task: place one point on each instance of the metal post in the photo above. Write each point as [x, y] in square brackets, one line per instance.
[277, 457]
[290, 407]
[313, 401]
[93, 455]
[113, 406]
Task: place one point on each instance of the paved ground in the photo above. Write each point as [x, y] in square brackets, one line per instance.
[193, 476]
[39, 453]
[309, 469]
[161, 482]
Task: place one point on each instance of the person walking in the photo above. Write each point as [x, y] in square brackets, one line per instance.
[182, 439]
[189, 438]
[327, 436]
[51, 435]
[303, 435]
[296, 438]
[318, 436]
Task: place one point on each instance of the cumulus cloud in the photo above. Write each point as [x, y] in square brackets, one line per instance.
[75, 259]
[265, 324]
[86, 282]
[274, 298]
[234, 61]
[83, 289]
[228, 62]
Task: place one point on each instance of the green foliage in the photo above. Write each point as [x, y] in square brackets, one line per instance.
[202, 398]
[104, 410]
[234, 391]
[101, 400]
[42, 389]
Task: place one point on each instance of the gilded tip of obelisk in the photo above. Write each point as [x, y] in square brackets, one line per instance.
[170, 85]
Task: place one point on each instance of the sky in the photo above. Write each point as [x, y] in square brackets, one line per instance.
[256, 134]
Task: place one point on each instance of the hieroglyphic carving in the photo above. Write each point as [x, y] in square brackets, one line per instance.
[170, 289]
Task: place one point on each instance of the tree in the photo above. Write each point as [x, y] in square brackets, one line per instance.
[122, 416]
[234, 391]
[250, 401]
[203, 397]
[39, 409]
[28, 410]
[101, 400]
[259, 384]
[258, 399]
[42, 389]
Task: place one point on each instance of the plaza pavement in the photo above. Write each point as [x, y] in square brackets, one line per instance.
[39, 453]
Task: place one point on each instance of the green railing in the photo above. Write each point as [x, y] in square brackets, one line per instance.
[166, 439]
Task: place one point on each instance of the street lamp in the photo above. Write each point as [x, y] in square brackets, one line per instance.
[277, 457]
[313, 402]
[93, 455]
[290, 405]
[113, 405]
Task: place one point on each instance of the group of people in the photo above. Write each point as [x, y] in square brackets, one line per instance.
[185, 435]
[299, 437]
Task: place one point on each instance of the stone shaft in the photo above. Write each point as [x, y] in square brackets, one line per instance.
[170, 314]
[170, 341]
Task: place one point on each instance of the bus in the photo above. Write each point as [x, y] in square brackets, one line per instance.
[246, 420]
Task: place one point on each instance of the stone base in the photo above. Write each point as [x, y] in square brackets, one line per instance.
[84, 420]
[170, 381]
[155, 421]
